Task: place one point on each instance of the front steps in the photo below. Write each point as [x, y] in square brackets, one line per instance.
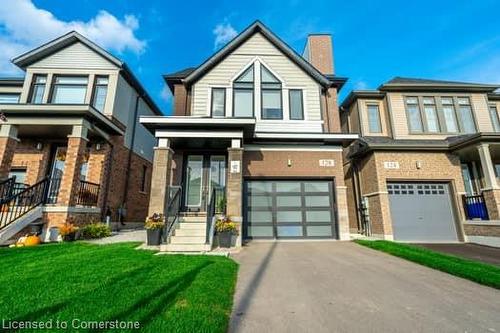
[19, 224]
[189, 236]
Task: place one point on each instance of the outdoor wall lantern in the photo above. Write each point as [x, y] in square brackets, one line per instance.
[39, 146]
[98, 146]
[289, 162]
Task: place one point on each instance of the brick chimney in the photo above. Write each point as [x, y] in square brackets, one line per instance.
[319, 52]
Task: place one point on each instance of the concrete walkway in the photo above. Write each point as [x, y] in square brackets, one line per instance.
[132, 235]
[344, 287]
[486, 254]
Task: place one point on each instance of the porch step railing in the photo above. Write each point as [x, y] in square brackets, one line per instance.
[22, 202]
[475, 207]
[172, 212]
[217, 205]
[88, 194]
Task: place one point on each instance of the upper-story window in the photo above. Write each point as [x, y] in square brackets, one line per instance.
[465, 112]
[38, 90]
[447, 114]
[415, 118]
[494, 117]
[374, 123]
[271, 95]
[243, 90]
[296, 104]
[9, 98]
[100, 92]
[218, 107]
[69, 90]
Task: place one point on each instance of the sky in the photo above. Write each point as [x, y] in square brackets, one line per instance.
[373, 40]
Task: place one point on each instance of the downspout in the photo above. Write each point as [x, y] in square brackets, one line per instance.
[327, 114]
[129, 160]
[108, 179]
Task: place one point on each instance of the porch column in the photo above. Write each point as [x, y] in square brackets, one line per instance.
[487, 166]
[70, 181]
[98, 170]
[160, 178]
[234, 186]
[8, 143]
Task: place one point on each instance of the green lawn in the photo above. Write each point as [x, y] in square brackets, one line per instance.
[488, 275]
[76, 283]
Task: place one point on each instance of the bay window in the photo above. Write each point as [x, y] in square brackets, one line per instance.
[100, 92]
[431, 117]
[465, 112]
[38, 90]
[494, 118]
[374, 123]
[8, 98]
[449, 115]
[415, 118]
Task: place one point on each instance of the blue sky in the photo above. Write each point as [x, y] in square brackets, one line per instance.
[373, 41]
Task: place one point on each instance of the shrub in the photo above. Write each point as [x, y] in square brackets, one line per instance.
[67, 229]
[95, 230]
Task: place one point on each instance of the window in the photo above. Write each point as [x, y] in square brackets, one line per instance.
[9, 98]
[494, 118]
[243, 88]
[271, 95]
[465, 112]
[143, 178]
[218, 102]
[374, 123]
[414, 116]
[70, 90]
[39, 82]
[100, 92]
[296, 104]
[449, 115]
[431, 117]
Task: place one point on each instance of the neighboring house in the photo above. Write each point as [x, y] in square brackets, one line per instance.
[427, 164]
[71, 138]
[255, 132]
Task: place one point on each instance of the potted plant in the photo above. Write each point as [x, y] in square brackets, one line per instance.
[68, 232]
[154, 227]
[225, 230]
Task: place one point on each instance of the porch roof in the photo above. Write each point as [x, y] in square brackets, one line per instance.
[24, 114]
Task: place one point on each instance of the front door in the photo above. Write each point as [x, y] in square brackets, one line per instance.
[201, 174]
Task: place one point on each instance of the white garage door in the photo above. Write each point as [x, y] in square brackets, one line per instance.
[422, 212]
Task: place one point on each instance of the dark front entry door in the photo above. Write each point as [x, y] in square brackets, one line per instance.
[201, 174]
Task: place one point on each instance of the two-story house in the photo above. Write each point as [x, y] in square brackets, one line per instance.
[255, 132]
[426, 165]
[71, 148]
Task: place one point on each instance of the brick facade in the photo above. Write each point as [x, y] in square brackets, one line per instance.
[492, 200]
[7, 148]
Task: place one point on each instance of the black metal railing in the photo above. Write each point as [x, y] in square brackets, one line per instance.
[88, 194]
[172, 213]
[20, 203]
[6, 187]
[475, 207]
[53, 190]
[216, 205]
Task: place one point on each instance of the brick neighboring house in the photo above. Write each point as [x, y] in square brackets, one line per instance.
[255, 132]
[71, 138]
[426, 165]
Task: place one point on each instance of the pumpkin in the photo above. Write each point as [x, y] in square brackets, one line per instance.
[32, 241]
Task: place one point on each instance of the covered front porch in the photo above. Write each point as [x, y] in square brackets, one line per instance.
[53, 165]
[480, 164]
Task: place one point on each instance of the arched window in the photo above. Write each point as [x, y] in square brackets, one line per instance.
[270, 95]
[243, 88]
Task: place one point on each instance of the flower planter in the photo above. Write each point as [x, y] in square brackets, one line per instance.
[154, 236]
[225, 239]
[69, 237]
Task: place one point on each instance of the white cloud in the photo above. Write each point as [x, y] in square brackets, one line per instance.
[361, 85]
[24, 26]
[223, 33]
[166, 94]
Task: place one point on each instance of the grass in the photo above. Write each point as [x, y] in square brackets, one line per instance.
[479, 272]
[87, 282]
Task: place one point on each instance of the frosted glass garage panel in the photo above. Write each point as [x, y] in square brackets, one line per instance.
[260, 217]
[316, 187]
[319, 231]
[260, 201]
[319, 216]
[287, 187]
[260, 231]
[289, 216]
[290, 231]
[259, 187]
[318, 201]
[288, 201]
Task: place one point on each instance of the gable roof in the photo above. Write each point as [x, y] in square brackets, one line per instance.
[401, 83]
[72, 37]
[254, 28]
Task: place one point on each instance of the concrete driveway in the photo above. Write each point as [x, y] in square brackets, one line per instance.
[344, 287]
